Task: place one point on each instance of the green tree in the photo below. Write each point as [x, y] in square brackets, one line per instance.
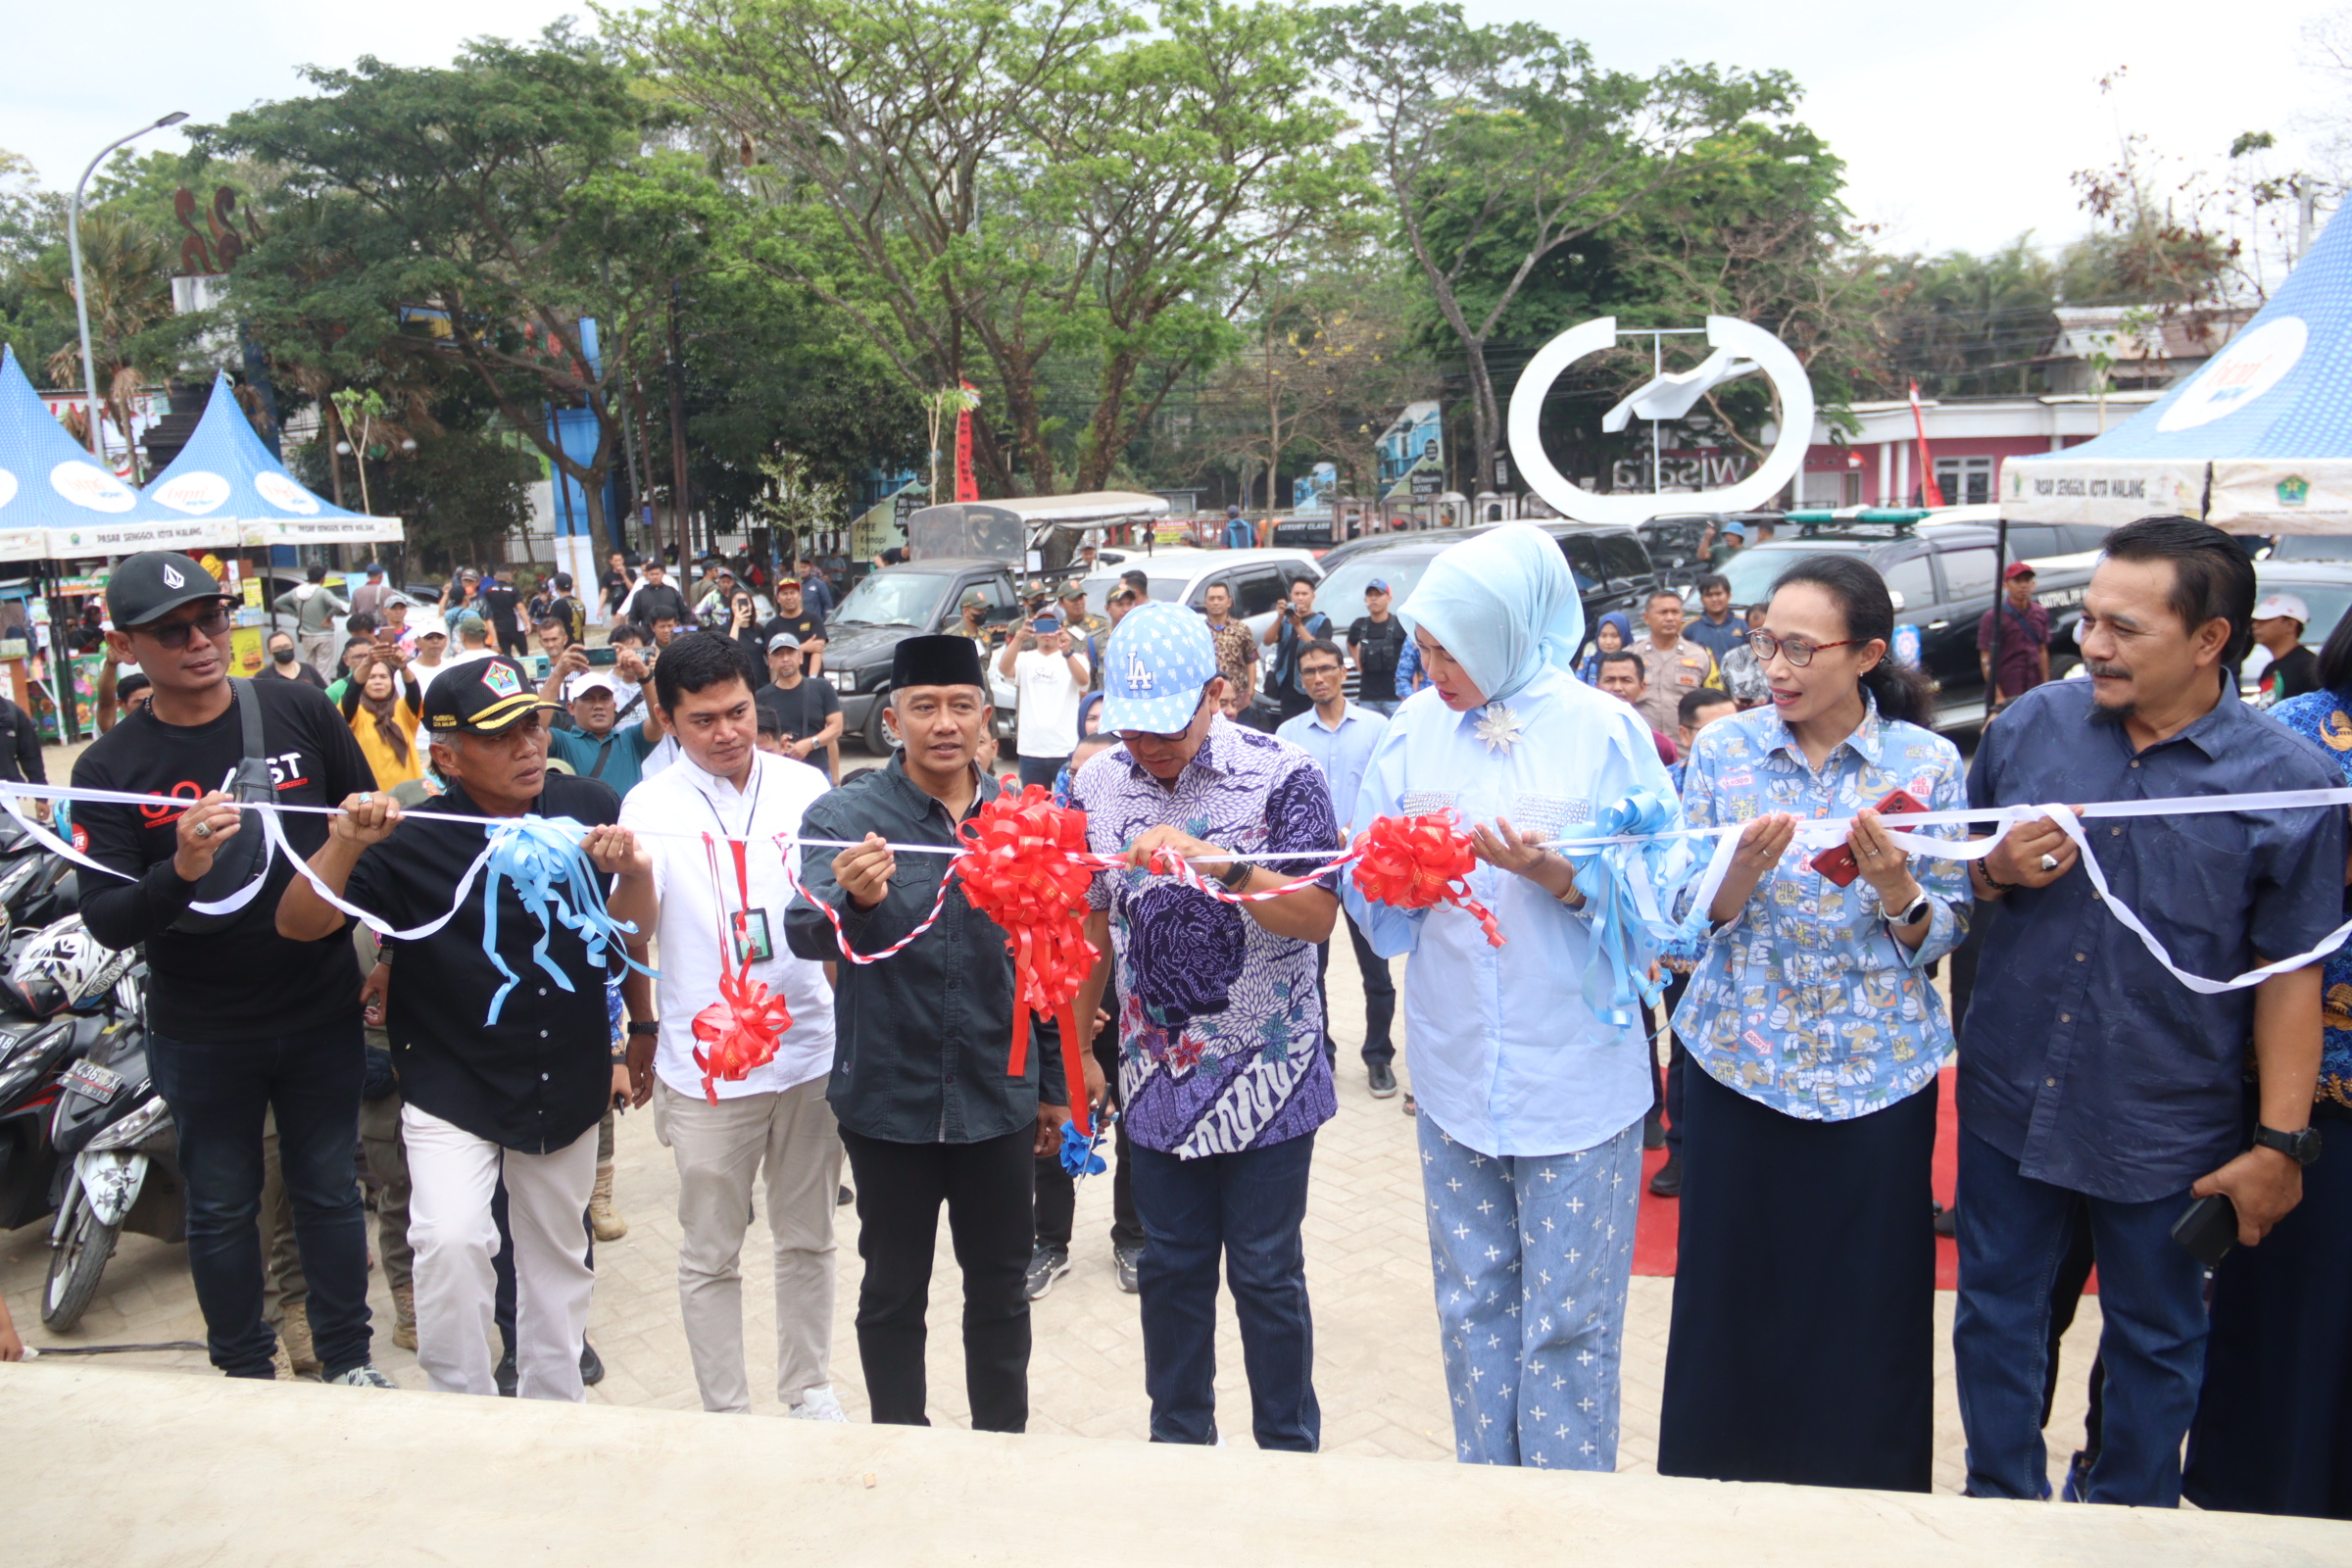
[1498, 147]
[1052, 199]
[477, 217]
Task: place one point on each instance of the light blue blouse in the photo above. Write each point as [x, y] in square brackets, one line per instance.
[1804, 1001]
[1505, 1055]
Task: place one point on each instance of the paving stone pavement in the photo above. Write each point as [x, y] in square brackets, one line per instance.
[1377, 1371]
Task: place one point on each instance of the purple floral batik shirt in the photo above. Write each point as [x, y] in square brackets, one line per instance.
[1220, 1030]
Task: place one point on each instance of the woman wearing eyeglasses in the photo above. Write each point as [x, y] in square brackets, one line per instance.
[1802, 1346]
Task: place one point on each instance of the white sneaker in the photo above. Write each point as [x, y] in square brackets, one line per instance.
[820, 1404]
[362, 1377]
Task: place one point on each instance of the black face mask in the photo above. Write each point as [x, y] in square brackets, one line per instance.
[284, 656]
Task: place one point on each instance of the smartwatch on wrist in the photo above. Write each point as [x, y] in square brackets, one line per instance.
[2302, 1148]
[1235, 876]
[1910, 914]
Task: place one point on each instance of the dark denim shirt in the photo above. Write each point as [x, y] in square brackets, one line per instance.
[921, 1038]
[2080, 1058]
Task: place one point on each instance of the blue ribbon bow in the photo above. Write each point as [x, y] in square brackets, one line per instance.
[1078, 1155]
[543, 857]
[1626, 938]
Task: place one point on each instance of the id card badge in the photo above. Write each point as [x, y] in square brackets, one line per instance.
[753, 945]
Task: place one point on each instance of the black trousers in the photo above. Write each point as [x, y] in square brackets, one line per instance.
[1803, 1338]
[987, 1188]
[1380, 995]
[1057, 1188]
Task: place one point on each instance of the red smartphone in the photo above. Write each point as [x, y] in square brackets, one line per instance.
[1836, 862]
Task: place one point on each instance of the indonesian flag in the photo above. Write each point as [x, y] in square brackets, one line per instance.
[1929, 491]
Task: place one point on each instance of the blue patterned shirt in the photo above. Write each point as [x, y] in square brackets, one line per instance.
[1220, 1029]
[1805, 1001]
[2321, 718]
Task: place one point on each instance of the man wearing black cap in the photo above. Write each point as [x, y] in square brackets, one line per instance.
[242, 1019]
[517, 1100]
[568, 609]
[927, 1111]
[809, 712]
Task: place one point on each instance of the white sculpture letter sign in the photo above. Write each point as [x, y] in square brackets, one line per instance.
[1733, 341]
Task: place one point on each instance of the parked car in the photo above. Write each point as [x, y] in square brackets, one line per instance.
[892, 604]
[1942, 578]
[1612, 571]
[1257, 579]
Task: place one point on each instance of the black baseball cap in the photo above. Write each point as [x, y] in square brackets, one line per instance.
[480, 697]
[152, 583]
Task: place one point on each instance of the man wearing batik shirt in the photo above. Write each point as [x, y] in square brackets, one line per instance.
[1221, 1065]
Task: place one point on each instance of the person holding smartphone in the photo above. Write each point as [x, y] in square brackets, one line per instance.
[1803, 1338]
[1299, 623]
[1051, 677]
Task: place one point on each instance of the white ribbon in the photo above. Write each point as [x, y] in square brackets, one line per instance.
[1819, 833]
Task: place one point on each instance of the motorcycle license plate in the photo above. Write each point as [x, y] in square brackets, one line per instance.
[101, 1084]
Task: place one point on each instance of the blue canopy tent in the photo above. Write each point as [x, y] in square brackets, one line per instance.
[226, 475]
[2257, 441]
[57, 501]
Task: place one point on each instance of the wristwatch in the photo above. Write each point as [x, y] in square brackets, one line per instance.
[1910, 914]
[2302, 1148]
[1237, 874]
[644, 1026]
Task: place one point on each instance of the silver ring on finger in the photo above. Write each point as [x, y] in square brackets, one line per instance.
[204, 830]
[365, 796]
[2049, 862]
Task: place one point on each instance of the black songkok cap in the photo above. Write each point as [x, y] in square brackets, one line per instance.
[935, 662]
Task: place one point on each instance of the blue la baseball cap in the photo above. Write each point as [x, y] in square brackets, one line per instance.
[1159, 658]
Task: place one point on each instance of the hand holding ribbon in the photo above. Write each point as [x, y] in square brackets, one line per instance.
[742, 1029]
[1027, 867]
[1417, 863]
[544, 859]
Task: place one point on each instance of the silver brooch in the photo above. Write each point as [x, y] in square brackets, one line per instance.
[1498, 727]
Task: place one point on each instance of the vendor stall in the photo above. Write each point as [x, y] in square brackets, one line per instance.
[2258, 441]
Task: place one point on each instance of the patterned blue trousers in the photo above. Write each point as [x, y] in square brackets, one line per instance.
[1532, 1256]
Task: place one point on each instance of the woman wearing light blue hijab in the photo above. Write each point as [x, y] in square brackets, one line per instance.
[1530, 1105]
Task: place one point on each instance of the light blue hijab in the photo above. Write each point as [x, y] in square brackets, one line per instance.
[1504, 605]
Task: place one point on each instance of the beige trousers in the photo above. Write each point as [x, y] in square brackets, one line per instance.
[719, 1150]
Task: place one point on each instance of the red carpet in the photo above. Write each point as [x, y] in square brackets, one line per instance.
[1661, 1218]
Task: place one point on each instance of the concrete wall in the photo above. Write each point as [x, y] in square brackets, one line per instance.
[127, 1468]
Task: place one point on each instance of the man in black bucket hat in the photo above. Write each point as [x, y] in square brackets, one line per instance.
[242, 1020]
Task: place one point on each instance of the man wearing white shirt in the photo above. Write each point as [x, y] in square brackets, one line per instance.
[1052, 680]
[722, 908]
[1339, 736]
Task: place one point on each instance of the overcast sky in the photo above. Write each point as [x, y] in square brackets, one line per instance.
[1960, 123]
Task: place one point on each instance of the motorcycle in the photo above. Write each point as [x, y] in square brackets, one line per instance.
[126, 1171]
[33, 1052]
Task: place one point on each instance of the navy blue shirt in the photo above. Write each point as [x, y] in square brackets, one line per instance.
[1717, 640]
[2080, 1058]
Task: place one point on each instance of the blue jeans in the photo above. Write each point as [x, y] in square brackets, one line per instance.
[1041, 771]
[1248, 1207]
[2013, 1231]
[1532, 1256]
[218, 1094]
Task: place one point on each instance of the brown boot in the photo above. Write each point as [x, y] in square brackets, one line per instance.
[294, 1333]
[607, 1225]
[404, 1316]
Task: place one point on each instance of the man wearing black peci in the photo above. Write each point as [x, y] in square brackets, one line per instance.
[516, 1101]
[242, 1020]
[928, 1113]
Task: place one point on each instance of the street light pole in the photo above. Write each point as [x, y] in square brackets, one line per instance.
[81, 293]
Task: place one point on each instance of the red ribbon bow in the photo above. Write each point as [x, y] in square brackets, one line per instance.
[1028, 870]
[739, 1031]
[1416, 862]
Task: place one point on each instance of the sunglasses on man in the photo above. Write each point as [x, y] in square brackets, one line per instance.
[174, 634]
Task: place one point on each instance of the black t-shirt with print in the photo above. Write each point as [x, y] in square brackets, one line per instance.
[244, 981]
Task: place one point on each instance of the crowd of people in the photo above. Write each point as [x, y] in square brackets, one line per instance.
[2099, 1097]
